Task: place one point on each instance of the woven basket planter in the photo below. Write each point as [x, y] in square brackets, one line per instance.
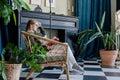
[13, 71]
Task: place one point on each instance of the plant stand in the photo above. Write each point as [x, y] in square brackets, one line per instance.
[13, 71]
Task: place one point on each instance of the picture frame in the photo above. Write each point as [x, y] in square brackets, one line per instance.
[35, 2]
[52, 3]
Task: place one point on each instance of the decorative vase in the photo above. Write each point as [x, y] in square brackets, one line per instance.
[38, 9]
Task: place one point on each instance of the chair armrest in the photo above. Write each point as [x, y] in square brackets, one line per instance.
[43, 38]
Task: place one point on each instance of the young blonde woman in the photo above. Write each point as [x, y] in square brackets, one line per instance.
[35, 27]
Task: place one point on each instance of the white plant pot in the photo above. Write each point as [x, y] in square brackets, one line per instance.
[13, 71]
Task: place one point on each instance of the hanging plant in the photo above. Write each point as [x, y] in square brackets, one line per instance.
[7, 9]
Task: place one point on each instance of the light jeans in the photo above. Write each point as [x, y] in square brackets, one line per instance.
[71, 58]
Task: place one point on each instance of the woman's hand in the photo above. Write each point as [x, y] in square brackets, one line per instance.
[49, 46]
[39, 24]
[55, 38]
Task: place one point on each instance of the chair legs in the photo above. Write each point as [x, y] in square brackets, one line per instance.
[30, 73]
[62, 67]
[67, 72]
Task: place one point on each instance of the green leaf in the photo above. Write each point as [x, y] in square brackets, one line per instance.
[98, 29]
[102, 21]
[25, 5]
[82, 35]
[14, 17]
[83, 49]
[3, 73]
[105, 40]
[93, 37]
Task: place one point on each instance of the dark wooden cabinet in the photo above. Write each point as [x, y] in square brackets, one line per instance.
[63, 24]
[118, 4]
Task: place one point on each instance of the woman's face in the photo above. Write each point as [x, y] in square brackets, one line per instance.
[37, 25]
[34, 27]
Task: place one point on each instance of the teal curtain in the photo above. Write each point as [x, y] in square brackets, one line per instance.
[89, 11]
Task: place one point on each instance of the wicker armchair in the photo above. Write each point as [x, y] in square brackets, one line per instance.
[57, 57]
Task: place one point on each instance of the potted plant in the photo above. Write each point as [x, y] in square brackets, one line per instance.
[109, 53]
[10, 70]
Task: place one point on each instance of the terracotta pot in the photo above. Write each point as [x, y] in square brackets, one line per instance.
[13, 71]
[108, 57]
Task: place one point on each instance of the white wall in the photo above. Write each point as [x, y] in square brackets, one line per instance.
[60, 6]
[66, 7]
[70, 7]
[113, 10]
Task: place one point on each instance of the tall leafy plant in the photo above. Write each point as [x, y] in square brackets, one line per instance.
[108, 38]
[7, 9]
